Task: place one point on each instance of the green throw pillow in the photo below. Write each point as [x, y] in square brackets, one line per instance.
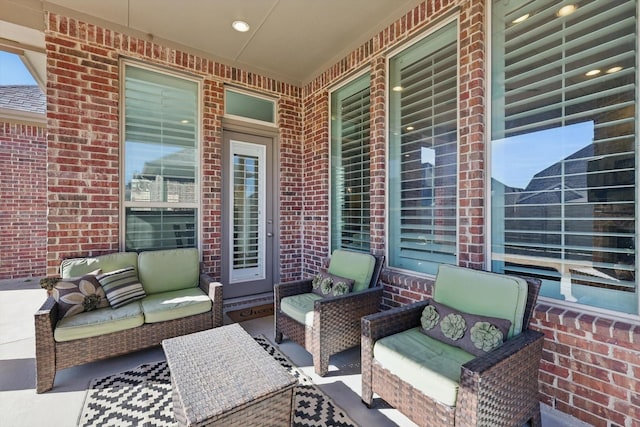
[122, 286]
[327, 284]
[470, 332]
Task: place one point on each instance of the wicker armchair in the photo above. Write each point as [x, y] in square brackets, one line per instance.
[336, 319]
[499, 388]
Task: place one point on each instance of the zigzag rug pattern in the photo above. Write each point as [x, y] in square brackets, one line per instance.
[142, 397]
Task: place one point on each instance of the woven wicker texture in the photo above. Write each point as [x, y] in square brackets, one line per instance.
[52, 356]
[496, 389]
[222, 376]
[336, 320]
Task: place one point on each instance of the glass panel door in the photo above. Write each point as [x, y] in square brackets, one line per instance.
[248, 233]
[248, 205]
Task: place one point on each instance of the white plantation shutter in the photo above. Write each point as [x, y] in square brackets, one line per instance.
[571, 219]
[350, 166]
[160, 160]
[424, 153]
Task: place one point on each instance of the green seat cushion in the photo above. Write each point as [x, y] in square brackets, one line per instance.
[300, 307]
[357, 266]
[427, 364]
[483, 293]
[99, 322]
[175, 305]
[169, 270]
[75, 267]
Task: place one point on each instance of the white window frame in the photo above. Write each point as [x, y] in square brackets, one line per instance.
[587, 309]
[332, 92]
[197, 205]
[389, 56]
[274, 103]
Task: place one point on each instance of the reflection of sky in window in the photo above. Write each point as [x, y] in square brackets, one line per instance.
[515, 160]
[428, 155]
[139, 153]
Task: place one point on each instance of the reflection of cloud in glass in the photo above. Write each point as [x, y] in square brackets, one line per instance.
[515, 160]
[428, 155]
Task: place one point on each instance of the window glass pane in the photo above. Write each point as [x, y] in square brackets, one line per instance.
[160, 160]
[251, 107]
[564, 138]
[350, 147]
[157, 228]
[246, 211]
[423, 153]
[160, 137]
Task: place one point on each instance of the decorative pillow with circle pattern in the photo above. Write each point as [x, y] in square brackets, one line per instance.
[471, 332]
[78, 294]
[326, 284]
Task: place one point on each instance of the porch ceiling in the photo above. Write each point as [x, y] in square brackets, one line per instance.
[290, 40]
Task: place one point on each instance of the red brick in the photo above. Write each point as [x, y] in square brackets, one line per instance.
[592, 352]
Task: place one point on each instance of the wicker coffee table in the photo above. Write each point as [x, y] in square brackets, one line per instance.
[223, 377]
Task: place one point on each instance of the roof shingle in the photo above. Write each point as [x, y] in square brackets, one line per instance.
[27, 98]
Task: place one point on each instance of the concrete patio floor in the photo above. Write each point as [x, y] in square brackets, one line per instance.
[20, 406]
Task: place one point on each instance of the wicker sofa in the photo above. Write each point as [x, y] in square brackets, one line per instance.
[433, 383]
[179, 300]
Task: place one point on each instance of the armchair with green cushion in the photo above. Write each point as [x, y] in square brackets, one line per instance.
[326, 325]
[418, 363]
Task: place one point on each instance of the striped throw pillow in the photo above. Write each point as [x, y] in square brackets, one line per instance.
[122, 286]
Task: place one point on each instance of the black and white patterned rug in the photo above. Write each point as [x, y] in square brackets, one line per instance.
[142, 397]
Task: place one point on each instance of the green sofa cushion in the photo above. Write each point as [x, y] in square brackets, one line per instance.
[353, 265]
[169, 270]
[175, 305]
[99, 322]
[427, 364]
[483, 293]
[300, 307]
[74, 267]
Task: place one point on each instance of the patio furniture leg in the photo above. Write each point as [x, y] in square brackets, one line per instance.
[45, 375]
[44, 321]
[536, 420]
[277, 332]
[321, 364]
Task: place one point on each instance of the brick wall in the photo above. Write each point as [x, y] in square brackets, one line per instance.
[84, 141]
[591, 365]
[23, 225]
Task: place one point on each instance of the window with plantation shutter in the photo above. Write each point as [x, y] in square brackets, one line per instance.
[350, 166]
[564, 132]
[423, 153]
[160, 160]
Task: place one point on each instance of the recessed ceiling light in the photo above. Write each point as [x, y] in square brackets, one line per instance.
[184, 122]
[521, 19]
[567, 10]
[613, 70]
[592, 73]
[410, 128]
[241, 26]
[397, 89]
